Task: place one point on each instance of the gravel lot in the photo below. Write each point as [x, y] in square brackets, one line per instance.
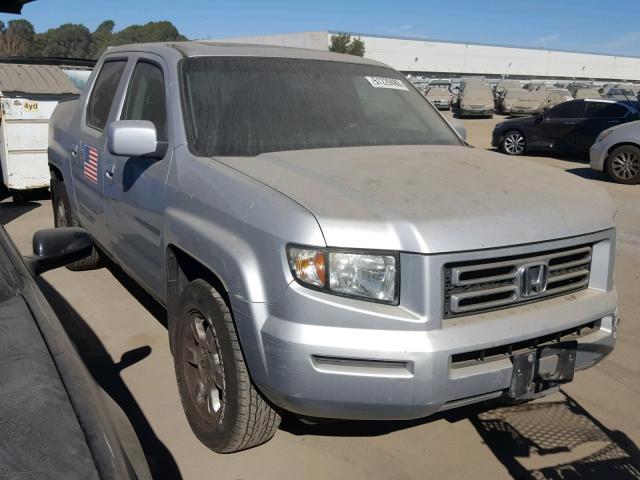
[590, 429]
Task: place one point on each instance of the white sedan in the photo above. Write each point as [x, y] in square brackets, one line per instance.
[617, 151]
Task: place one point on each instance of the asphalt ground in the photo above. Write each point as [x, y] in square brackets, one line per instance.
[590, 429]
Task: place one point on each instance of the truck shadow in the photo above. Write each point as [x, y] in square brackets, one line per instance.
[156, 310]
[557, 440]
[106, 373]
[552, 440]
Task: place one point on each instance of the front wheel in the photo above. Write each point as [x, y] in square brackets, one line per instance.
[513, 143]
[224, 409]
[624, 165]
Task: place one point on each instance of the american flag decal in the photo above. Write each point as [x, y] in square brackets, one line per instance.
[90, 164]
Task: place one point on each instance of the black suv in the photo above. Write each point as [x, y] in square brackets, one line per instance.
[571, 127]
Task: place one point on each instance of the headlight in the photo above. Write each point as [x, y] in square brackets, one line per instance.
[365, 275]
[603, 135]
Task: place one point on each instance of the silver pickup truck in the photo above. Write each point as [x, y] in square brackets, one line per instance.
[324, 242]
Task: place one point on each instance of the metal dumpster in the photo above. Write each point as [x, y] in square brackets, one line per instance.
[28, 96]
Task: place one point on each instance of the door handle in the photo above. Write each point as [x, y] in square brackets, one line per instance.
[569, 123]
[74, 150]
[614, 121]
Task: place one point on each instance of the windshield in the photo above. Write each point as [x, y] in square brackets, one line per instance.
[245, 106]
[515, 93]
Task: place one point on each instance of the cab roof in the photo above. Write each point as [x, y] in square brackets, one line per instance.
[202, 48]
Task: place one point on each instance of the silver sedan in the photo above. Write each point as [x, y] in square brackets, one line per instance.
[617, 151]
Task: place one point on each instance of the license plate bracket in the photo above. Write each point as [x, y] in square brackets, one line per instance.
[544, 368]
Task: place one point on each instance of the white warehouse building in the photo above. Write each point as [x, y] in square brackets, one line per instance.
[434, 58]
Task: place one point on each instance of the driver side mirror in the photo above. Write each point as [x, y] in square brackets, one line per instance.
[57, 247]
[135, 138]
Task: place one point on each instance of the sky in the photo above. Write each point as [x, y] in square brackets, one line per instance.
[577, 25]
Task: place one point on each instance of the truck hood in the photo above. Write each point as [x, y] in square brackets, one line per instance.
[431, 199]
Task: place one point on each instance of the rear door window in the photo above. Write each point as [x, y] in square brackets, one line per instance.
[568, 110]
[146, 98]
[605, 110]
[103, 93]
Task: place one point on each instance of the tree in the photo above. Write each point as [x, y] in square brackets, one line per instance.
[102, 38]
[149, 32]
[105, 28]
[67, 41]
[342, 43]
[16, 38]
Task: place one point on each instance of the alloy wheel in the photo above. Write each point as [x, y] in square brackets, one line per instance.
[514, 143]
[625, 165]
[203, 368]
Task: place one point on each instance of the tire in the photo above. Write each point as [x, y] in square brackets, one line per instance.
[223, 407]
[623, 165]
[64, 217]
[513, 143]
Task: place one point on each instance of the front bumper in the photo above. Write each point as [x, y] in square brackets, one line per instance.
[496, 139]
[442, 104]
[598, 155]
[487, 112]
[323, 356]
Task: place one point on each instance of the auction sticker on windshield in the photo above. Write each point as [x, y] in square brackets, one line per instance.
[392, 83]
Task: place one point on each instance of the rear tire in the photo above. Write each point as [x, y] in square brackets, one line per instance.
[623, 165]
[64, 217]
[224, 409]
[513, 143]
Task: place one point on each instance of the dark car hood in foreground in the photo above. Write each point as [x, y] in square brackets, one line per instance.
[41, 435]
[431, 199]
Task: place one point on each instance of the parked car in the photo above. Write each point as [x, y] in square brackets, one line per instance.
[299, 214]
[476, 101]
[617, 151]
[586, 93]
[620, 94]
[571, 127]
[532, 86]
[439, 97]
[575, 86]
[463, 84]
[623, 86]
[501, 87]
[509, 97]
[56, 421]
[529, 103]
[556, 97]
[440, 82]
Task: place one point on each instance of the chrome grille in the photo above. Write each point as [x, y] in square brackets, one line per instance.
[472, 287]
